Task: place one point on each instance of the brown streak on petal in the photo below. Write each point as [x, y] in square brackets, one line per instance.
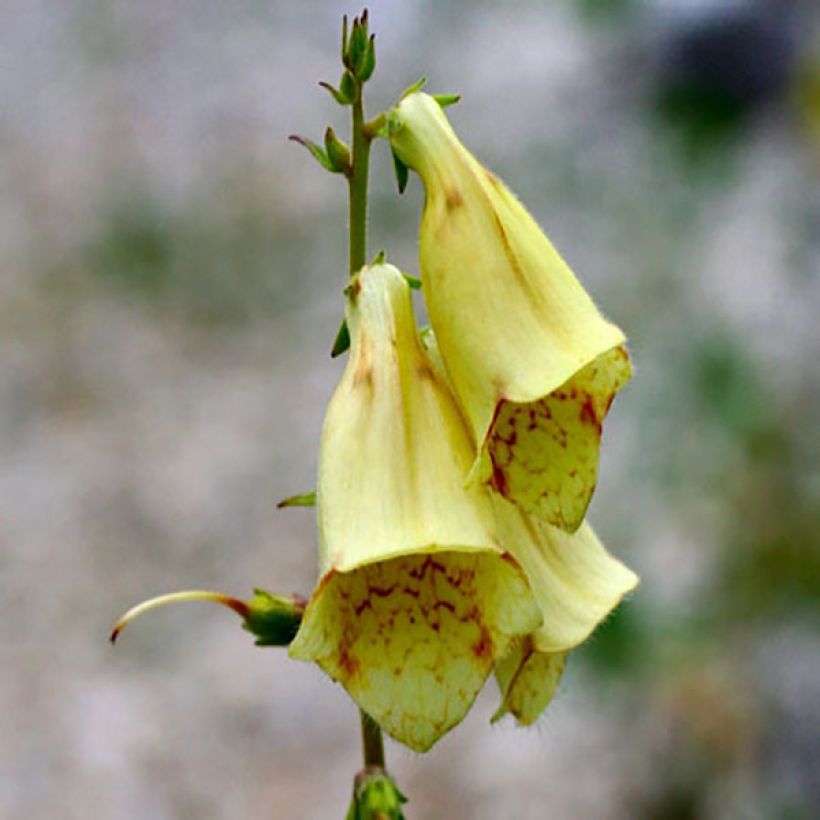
[587, 414]
[483, 647]
[347, 663]
[498, 481]
[453, 199]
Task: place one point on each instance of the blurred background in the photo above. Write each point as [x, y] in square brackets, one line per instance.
[170, 286]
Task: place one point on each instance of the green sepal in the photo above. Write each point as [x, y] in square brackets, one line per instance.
[318, 152]
[300, 500]
[417, 86]
[375, 797]
[368, 63]
[413, 281]
[274, 619]
[344, 38]
[337, 152]
[379, 259]
[342, 341]
[445, 100]
[336, 94]
[402, 172]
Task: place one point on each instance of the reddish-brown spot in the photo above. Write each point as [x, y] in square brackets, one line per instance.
[587, 414]
[347, 663]
[429, 563]
[362, 607]
[444, 604]
[498, 481]
[483, 647]
[382, 592]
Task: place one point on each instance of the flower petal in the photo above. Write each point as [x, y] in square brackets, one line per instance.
[528, 680]
[413, 639]
[576, 582]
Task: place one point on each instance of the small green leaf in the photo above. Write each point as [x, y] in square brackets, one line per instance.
[337, 152]
[413, 281]
[445, 100]
[379, 258]
[317, 151]
[402, 172]
[301, 500]
[342, 342]
[336, 94]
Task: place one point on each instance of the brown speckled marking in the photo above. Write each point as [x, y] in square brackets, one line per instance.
[453, 199]
[483, 647]
[544, 454]
[348, 664]
[414, 638]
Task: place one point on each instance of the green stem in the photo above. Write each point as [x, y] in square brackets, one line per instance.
[357, 181]
[372, 742]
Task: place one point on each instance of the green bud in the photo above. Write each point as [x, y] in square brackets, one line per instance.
[337, 151]
[357, 44]
[375, 797]
[274, 619]
[368, 63]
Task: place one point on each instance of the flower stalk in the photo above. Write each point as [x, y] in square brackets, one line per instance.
[357, 180]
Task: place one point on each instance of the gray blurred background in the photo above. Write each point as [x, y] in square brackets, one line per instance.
[170, 285]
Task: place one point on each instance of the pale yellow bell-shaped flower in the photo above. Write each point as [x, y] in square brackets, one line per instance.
[577, 584]
[416, 600]
[533, 363]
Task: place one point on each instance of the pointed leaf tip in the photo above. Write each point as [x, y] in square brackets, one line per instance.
[445, 100]
[402, 172]
[318, 153]
[307, 499]
[342, 341]
[417, 86]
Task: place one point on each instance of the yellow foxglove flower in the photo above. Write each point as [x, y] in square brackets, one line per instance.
[416, 599]
[577, 584]
[533, 363]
